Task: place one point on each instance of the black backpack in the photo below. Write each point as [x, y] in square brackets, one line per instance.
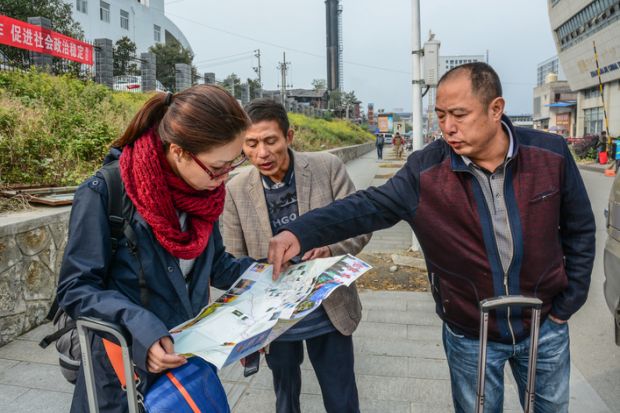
[120, 213]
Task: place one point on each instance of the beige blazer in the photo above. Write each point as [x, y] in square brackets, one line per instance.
[320, 178]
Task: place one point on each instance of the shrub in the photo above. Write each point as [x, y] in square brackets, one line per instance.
[585, 148]
[56, 130]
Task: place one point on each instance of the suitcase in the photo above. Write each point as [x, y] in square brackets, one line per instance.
[501, 302]
[134, 398]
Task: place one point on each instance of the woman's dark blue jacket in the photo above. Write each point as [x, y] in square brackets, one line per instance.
[96, 284]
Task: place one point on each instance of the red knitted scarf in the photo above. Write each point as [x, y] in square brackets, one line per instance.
[158, 193]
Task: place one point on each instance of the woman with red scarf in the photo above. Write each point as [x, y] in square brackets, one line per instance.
[174, 158]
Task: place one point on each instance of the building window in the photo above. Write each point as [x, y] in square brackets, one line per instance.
[104, 11]
[593, 92]
[157, 33]
[82, 6]
[537, 106]
[593, 121]
[592, 18]
[125, 19]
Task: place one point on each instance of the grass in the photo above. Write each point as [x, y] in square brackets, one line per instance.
[55, 130]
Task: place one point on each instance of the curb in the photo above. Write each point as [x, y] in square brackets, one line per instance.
[592, 168]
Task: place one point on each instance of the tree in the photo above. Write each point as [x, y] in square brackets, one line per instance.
[167, 56]
[341, 102]
[349, 99]
[124, 57]
[232, 83]
[319, 84]
[58, 11]
[335, 100]
[255, 88]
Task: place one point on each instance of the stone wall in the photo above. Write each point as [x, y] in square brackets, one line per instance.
[348, 153]
[31, 247]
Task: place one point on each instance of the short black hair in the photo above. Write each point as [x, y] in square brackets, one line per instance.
[485, 82]
[266, 109]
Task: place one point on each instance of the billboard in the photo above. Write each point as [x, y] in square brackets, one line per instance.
[28, 36]
[399, 127]
[385, 122]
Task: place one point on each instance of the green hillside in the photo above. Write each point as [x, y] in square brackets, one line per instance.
[56, 130]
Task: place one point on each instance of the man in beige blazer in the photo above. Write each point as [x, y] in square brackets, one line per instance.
[283, 185]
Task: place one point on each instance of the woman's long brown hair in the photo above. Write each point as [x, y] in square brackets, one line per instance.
[197, 119]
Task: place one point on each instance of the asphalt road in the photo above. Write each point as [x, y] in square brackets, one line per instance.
[593, 349]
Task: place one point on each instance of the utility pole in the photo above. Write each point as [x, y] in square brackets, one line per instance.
[416, 82]
[417, 75]
[283, 67]
[259, 70]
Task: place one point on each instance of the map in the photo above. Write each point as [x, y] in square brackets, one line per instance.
[256, 309]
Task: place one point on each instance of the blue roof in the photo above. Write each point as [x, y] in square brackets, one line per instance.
[562, 104]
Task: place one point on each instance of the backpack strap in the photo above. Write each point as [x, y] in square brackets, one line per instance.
[116, 194]
[120, 214]
[50, 338]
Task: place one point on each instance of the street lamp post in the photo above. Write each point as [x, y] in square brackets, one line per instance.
[416, 51]
[416, 136]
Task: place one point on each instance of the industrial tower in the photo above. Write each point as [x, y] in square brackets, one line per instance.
[333, 10]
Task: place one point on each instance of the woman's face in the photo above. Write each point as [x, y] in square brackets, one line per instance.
[217, 163]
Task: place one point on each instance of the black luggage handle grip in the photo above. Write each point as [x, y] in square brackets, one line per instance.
[505, 301]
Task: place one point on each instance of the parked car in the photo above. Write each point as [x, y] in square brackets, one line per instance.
[129, 83]
[612, 256]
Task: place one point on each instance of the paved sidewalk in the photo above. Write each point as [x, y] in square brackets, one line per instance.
[400, 362]
[594, 166]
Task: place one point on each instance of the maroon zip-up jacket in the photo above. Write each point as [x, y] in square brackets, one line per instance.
[549, 212]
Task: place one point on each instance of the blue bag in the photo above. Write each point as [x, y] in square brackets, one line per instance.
[194, 387]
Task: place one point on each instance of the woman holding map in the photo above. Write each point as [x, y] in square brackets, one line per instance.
[173, 160]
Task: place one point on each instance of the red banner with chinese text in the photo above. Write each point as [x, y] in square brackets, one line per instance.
[27, 36]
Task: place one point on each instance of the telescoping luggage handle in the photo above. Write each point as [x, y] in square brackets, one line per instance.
[501, 302]
[84, 324]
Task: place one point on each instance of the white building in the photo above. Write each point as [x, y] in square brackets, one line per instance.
[554, 106]
[551, 65]
[448, 62]
[575, 25]
[143, 21]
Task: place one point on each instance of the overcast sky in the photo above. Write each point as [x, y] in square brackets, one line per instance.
[377, 41]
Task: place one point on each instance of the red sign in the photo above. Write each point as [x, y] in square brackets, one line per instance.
[27, 36]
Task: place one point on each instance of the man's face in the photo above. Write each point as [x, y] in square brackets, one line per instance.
[267, 149]
[468, 126]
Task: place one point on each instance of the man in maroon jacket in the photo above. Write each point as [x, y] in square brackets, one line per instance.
[498, 210]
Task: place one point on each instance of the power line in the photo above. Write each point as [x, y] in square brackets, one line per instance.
[304, 52]
[226, 57]
[322, 57]
[225, 62]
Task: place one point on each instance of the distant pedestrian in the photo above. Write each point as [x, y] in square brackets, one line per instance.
[379, 144]
[602, 144]
[616, 149]
[398, 145]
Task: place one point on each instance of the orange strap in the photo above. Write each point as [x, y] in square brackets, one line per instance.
[183, 392]
[115, 355]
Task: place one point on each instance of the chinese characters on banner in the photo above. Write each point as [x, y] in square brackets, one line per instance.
[27, 36]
